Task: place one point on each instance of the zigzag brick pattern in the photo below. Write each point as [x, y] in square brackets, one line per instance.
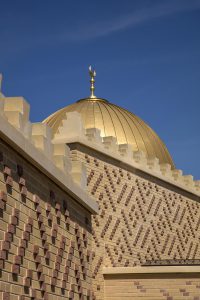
[45, 243]
[139, 222]
[152, 288]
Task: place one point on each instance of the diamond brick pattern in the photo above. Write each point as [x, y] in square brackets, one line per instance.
[139, 220]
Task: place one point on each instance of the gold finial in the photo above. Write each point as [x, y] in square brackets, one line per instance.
[92, 81]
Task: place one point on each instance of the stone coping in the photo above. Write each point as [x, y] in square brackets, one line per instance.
[52, 155]
[73, 131]
[132, 163]
[23, 145]
[150, 270]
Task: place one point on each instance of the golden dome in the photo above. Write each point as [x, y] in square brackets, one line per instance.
[113, 120]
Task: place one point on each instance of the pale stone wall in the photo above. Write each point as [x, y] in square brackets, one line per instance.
[45, 235]
[141, 219]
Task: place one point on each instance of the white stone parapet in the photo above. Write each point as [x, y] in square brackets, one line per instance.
[166, 170]
[91, 137]
[61, 156]
[41, 138]
[34, 142]
[110, 143]
[126, 150]
[16, 110]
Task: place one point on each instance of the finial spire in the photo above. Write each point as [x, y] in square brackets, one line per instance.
[92, 81]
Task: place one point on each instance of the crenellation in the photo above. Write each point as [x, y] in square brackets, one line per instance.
[177, 175]
[197, 184]
[35, 140]
[16, 110]
[154, 165]
[71, 127]
[126, 151]
[166, 170]
[61, 156]
[41, 138]
[93, 135]
[146, 213]
[189, 180]
[137, 159]
[110, 143]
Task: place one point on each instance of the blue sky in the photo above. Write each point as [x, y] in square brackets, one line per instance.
[146, 54]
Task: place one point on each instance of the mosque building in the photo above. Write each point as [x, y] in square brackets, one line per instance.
[93, 207]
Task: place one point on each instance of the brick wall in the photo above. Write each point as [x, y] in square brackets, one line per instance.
[141, 220]
[45, 235]
[152, 287]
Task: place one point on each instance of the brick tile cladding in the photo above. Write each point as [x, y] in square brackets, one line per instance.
[152, 287]
[45, 235]
[140, 220]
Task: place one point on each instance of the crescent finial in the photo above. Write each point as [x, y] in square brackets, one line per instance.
[92, 74]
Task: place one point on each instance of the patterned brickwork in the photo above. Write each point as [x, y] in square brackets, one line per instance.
[140, 222]
[152, 288]
[45, 236]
